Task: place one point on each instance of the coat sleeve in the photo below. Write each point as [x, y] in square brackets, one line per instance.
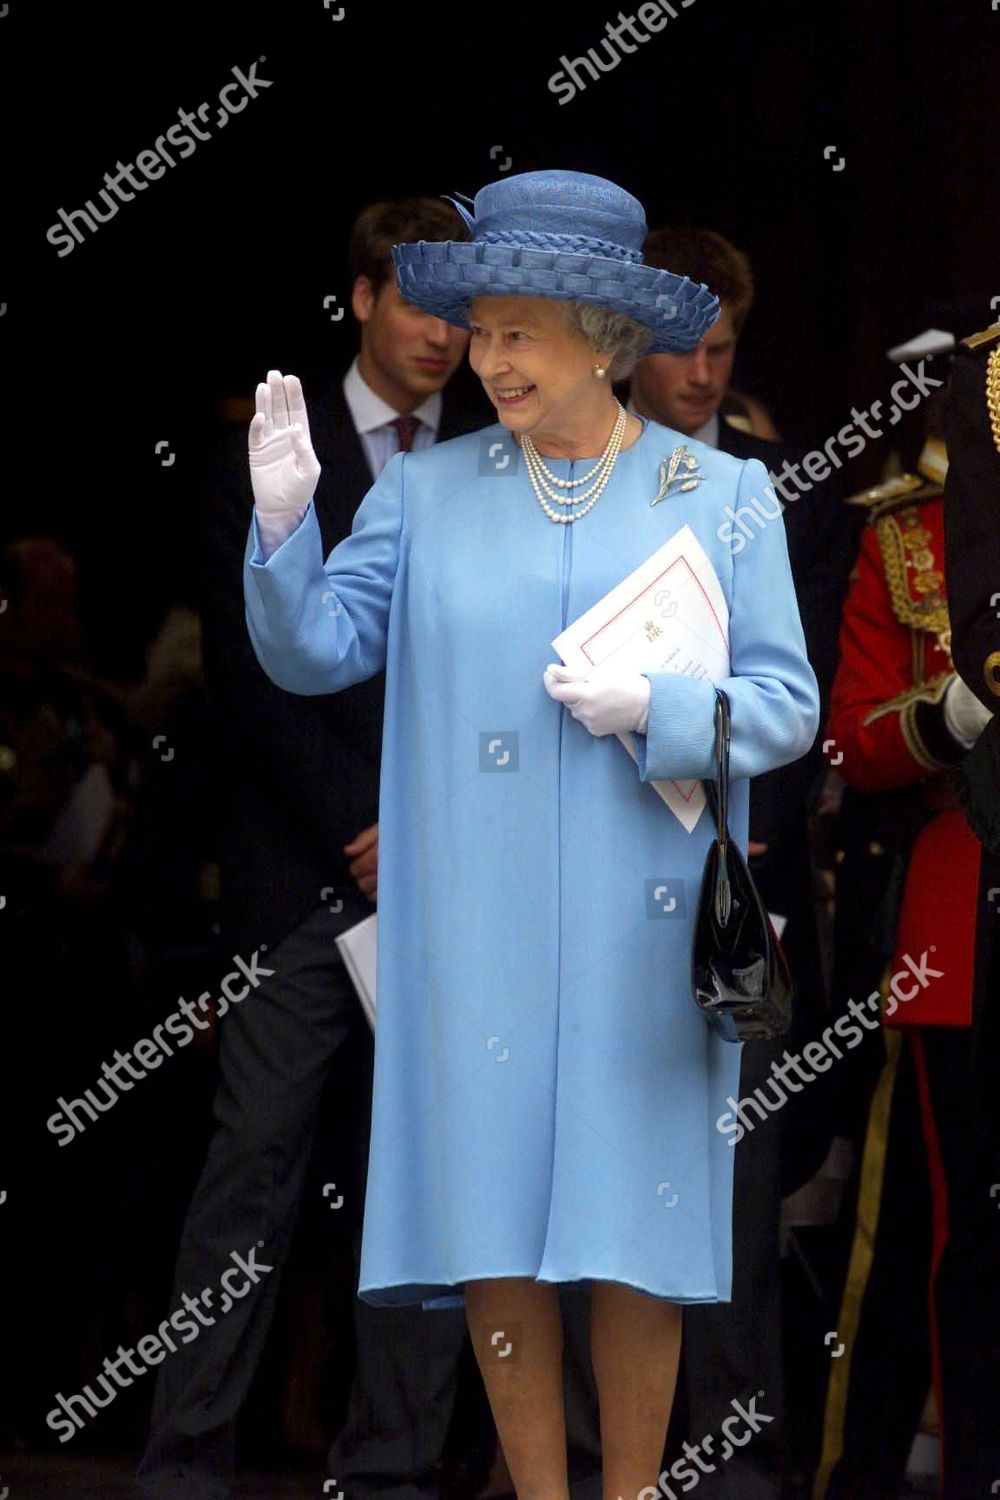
[772, 688]
[823, 536]
[318, 627]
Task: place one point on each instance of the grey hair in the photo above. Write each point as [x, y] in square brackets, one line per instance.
[613, 333]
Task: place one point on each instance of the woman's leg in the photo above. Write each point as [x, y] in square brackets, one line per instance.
[516, 1329]
[635, 1343]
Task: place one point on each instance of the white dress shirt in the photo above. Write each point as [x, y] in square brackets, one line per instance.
[373, 418]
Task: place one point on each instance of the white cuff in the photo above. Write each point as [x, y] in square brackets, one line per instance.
[964, 716]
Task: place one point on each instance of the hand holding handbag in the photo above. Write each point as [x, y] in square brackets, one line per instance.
[739, 973]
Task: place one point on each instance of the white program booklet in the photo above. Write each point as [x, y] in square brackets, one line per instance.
[670, 615]
[357, 949]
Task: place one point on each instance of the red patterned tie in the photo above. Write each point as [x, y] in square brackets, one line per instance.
[406, 427]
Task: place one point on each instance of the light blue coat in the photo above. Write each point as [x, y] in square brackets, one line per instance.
[545, 1091]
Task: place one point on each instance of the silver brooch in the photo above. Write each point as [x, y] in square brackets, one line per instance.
[680, 469]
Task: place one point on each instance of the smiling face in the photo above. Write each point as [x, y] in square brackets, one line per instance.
[536, 371]
[684, 390]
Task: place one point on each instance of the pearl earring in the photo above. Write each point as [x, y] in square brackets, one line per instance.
[600, 371]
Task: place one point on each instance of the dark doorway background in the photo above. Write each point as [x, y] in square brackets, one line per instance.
[219, 270]
[734, 116]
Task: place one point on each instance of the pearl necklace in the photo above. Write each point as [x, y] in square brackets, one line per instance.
[542, 478]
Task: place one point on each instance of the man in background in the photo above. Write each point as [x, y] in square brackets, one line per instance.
[298, 868]
[917, 1298]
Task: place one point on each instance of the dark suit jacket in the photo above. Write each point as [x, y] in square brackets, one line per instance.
[301, 774]
[822, 536]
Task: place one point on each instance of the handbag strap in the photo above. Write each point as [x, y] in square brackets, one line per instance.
[722, 737]
[723, 889]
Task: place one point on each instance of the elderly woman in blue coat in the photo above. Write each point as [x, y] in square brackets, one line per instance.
[546, 1093]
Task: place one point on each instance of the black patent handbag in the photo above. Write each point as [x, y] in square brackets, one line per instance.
[739, 973]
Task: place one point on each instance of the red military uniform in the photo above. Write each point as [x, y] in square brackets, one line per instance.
[886, 732]
[887, 728]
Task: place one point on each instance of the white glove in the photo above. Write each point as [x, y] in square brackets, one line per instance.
[284, 470]
[964, 715]
[604, 705]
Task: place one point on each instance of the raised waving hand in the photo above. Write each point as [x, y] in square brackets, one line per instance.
[284, 470]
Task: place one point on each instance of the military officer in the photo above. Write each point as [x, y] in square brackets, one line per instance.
[901, 717]
[972, 564]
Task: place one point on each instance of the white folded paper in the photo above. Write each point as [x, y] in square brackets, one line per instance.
[357, 948]
[669, 615]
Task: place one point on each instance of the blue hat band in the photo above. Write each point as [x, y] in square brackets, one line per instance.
[580, 244]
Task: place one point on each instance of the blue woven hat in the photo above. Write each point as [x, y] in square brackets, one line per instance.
[566, 235]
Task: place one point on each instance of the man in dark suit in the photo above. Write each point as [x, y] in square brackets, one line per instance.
[299, 867]
[972, 567]
[733, 1350]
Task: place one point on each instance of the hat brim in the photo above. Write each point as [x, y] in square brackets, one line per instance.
[443, 276]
